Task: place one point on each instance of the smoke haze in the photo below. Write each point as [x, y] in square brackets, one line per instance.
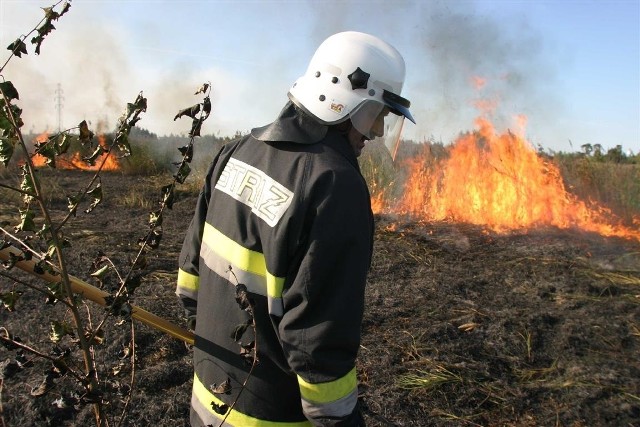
[448, 47]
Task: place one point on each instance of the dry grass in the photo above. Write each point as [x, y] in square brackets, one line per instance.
[428, 380]
[614, 185]
[536, 374]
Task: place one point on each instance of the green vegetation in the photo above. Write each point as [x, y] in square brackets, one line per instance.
[611, 180]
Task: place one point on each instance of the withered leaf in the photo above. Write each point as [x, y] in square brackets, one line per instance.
[167, 195]
[6, 150]
[196, 125]
[11, 117]
[98, 337]
[223, 388]
[42, 267]
[91, 159]
[57, 292]
[47, 150]
[43, 388]
[21, 359]
[9, 91]
[59, 330]
[96, 193]
[9, 299]
[72, 203]
[26, 220]
[50, 14]
[115, 370]
[118, 306]
[122, 142]
[206, 106]
[187, 152]
[247, 351]
[100, 273]
[189, 111]
[62, 143]
[183, 173]
[140, 104]
[203, 89]
[65, 8]
[219, 409]
[155, 219]
[18, 48]
[133, 283]
[242, 297]
[12, 261]
[51, 250]
[238, 332]
[85, 134]
[26, 185]
[152, 239]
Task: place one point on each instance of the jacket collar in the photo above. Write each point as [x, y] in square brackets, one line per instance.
[292, 125]
[339, 142]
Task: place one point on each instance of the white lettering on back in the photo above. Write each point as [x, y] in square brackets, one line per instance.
[267, 198]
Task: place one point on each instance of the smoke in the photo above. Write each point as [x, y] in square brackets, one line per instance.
[463, 49]
[79, 75]
[459, 47]
[101, 65]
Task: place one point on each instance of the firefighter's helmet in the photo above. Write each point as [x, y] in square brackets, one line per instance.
[355, 76]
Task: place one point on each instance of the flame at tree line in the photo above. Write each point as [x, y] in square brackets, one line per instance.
[76, 161]
[498, 181]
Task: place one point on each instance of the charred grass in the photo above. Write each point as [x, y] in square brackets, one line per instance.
[462, 326]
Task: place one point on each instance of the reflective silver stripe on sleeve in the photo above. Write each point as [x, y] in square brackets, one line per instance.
[338, 408]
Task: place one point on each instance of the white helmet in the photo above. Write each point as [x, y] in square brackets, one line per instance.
[355, 76]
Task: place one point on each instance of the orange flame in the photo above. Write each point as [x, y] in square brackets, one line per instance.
[75, 162]
[498, 181]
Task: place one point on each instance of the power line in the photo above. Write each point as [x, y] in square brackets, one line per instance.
[58, 100]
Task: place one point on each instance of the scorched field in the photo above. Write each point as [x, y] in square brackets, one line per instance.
[463, 326]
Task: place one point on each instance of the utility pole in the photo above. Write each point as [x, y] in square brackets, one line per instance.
[58, 100]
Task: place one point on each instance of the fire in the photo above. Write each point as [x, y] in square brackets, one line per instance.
[76, 162]
[498, 181]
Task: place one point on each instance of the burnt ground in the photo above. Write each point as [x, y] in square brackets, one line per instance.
[462, 326]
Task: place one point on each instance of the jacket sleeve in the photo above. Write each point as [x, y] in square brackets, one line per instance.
[323, 306]
[189, 261]
[188, 264]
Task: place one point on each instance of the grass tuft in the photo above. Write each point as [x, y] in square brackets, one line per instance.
[428, 380]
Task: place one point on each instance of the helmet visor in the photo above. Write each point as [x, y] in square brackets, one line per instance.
[377, 121]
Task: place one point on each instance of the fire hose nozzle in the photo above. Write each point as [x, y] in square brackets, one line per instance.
[98, 296]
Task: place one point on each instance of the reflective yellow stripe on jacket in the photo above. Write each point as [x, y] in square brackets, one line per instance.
[241, 265]
[237, 419]
[187, 284]
[333, 398]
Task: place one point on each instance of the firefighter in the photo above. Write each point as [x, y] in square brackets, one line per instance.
[275, 260]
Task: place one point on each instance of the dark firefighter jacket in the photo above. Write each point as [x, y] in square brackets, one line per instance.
[291, 220]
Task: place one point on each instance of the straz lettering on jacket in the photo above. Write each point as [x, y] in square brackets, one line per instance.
[267, 198]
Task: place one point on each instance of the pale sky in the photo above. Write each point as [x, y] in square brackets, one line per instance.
[571, 67]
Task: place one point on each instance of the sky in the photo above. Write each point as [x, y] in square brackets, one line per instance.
[571, 67]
